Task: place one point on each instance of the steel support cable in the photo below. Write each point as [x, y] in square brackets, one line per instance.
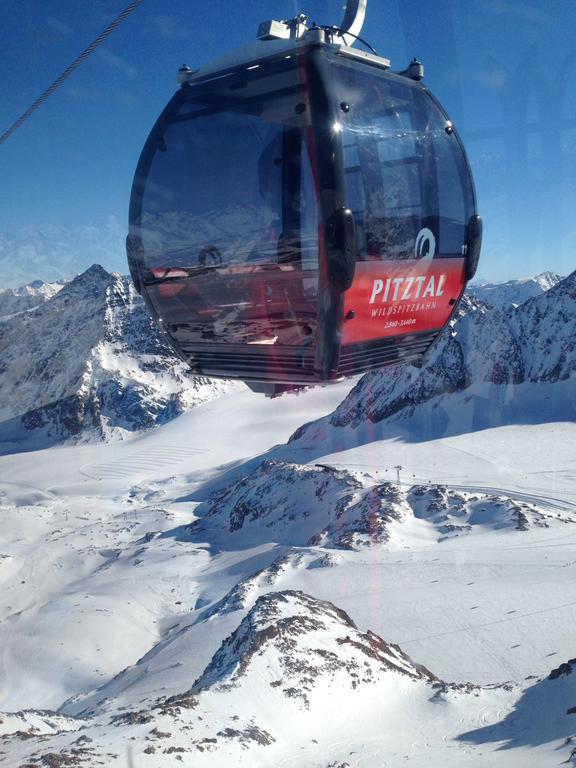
[71, 68]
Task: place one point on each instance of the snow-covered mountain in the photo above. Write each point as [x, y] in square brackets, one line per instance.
[274, 693]
[514, 292]
[49, 252]
[486, 352]
[282, 638]
[15, 300]
[85, 359]
[302, 505]
[225, 610]
[284, 668]
[206, 592]
[88, 362]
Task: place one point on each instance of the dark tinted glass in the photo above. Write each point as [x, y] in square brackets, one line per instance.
[225, 185]
[229, 223]
[407, 180]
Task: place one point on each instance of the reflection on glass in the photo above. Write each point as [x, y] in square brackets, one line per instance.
[404, 172]
[229, 216]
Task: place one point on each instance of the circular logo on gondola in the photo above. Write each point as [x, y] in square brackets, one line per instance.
[425, 246]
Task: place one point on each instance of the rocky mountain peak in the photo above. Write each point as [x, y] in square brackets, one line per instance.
[88, 363]
[94, 272]
[514, 292]
[91, 284]
[292, 642]
[547, 279]
[565, 286]
[306, 505]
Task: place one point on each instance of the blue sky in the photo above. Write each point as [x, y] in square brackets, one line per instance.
[504, 70]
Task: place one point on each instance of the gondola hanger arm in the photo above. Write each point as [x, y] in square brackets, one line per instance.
[348, 31]
[353, 20]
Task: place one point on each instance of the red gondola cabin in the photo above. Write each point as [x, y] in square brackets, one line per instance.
[299, 214]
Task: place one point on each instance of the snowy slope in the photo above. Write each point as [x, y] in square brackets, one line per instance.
[113, 604]
[489, 355]
[514, 292]
[209, 593]
[88, 363]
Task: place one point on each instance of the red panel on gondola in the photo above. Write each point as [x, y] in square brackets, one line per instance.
[388, 298]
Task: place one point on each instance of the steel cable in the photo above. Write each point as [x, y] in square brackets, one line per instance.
[71, 68]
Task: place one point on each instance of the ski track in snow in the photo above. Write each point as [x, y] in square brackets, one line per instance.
[140, 463]
[100, 575]
[552, 502]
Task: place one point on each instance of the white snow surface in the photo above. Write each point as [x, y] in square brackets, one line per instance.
[394, 584]
[113, 602]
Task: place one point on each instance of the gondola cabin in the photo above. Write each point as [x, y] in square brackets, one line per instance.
[300, 213]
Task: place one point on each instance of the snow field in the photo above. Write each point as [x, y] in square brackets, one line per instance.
[106, 593]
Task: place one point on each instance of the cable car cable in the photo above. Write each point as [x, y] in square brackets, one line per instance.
[70, 69]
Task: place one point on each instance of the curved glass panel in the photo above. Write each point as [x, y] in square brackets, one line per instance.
[408, 184]
[405, 173]
[228, 219]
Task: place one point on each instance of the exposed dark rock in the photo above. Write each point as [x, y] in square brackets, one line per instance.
[132, 718]
[89, 361]
[250, 733]
[534, 342]
[305, 639]
[566, 668]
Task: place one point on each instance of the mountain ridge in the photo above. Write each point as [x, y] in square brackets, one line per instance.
[88, 363]
[483, 347]
[516, 291]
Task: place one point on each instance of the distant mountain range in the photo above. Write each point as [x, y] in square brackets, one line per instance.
[85, 361]
[82, 359]
[515, 292]
[15, 300]
[49, 252]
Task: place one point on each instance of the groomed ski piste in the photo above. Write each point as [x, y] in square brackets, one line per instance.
[208, 593]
